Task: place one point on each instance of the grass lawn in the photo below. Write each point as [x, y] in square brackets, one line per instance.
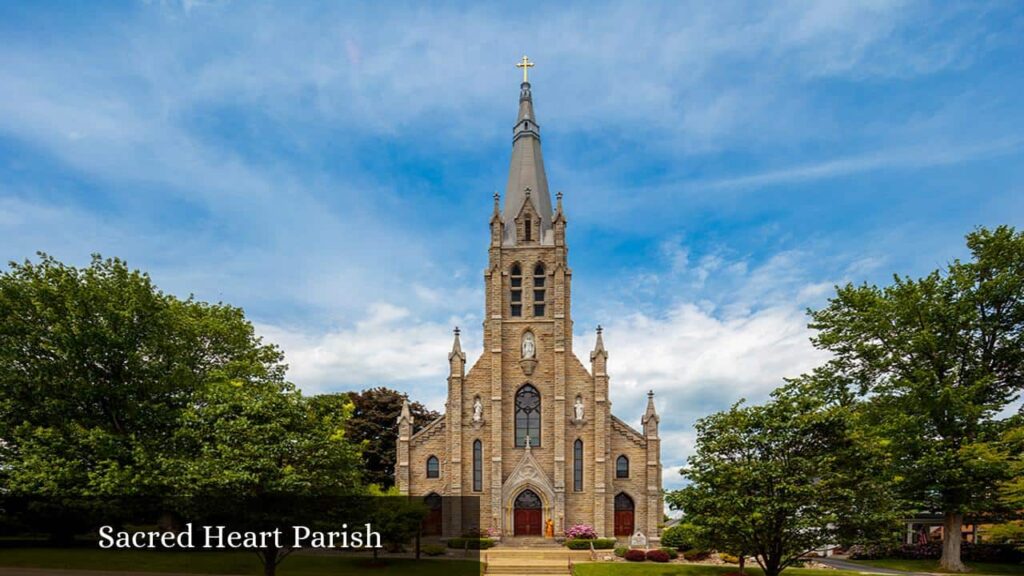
[672, 569]
[933, 566]
[226, 563]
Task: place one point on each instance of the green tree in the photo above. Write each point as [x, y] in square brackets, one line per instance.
[373, 425]
[939, 358]
[269, 457]
[110, 388]
[97, 367]
[779, 480]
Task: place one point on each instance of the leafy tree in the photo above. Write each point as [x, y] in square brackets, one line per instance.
[97, 368]
[1011, 491]
[110, 388]
[779, 480]
[268, 457]
[373, 424]
[939, 358]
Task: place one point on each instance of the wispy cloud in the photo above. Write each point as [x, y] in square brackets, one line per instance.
[907, 158]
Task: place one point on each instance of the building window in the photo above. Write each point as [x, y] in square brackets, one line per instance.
[577, 466]
[527, 416]
[528, 229]
[538, 289]
[622, 467]
[516, 292]
[478, 466]
[433, 467]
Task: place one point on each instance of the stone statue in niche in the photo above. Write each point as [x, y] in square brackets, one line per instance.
[529, 346]
[478, 409]
[578, 408]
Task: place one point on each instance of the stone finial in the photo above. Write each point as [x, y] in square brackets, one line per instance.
[497, 202]
[457, 346]
[558, 200]
[406, 415]
[651, 414]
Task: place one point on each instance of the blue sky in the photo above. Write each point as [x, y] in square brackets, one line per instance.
[329, 167]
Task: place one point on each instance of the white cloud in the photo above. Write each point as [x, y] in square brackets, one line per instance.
[389, 347]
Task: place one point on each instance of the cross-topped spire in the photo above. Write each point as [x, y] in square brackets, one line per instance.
[525, 64]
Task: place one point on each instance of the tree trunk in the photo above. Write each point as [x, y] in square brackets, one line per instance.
[771, 566]
[951, 528]
[743, 562]
[269, 558]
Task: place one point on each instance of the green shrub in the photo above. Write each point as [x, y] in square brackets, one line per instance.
[584, 544]
[471, 543]
[672, 552]
[620, 551]
[680, 537]
[432, 549]
[696, 555]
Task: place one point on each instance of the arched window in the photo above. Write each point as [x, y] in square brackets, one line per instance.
[577, 466]
[478, 466]
[528, 229]
[622, 467]
[538, 289]
[433, 467]
[516, 290]
[527, 416]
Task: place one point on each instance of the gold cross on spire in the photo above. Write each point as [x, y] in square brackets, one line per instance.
[525, 64]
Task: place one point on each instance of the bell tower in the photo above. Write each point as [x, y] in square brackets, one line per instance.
[528, 325]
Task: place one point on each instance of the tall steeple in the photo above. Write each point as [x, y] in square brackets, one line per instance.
[527, 168]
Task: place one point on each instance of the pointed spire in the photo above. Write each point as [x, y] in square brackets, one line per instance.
[599, 346]
[526, 169]
[650, 413]
[406, 415]
[457, 346]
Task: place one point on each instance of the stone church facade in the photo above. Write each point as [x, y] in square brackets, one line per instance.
[529, 428]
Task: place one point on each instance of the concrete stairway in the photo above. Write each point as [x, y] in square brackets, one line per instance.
[540, 559]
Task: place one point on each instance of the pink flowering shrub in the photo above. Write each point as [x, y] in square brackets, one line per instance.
[582, 532]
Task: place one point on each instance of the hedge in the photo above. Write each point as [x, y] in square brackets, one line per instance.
[471, 543]
[969, 552]
[432, 549]
[584, 543]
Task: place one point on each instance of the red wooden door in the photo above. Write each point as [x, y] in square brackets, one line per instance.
[623, 522]
[527, 522]
[432, 523]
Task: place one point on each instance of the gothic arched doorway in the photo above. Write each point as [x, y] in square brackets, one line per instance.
[527, 514]
[623, 514]
[433, 521]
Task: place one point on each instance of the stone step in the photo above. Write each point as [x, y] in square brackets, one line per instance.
[527, 569]
[562, 553]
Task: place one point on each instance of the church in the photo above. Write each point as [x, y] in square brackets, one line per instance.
[528, 429]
